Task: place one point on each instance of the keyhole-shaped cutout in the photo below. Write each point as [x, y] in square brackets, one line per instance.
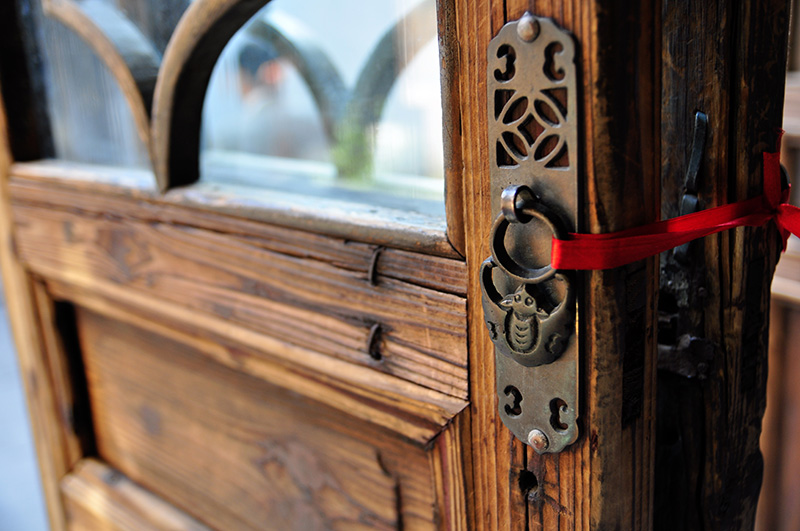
[557, 408]
[515, 408]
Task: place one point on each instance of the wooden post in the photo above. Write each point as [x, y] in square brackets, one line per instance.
[646, 69]
[728, 61]
[604, 480]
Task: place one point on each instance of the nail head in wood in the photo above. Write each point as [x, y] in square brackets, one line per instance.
[372, 271]
[373, 342]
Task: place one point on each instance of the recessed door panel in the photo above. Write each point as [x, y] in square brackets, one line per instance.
[236, 452]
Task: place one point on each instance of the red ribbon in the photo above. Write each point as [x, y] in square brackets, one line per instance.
[606, 251]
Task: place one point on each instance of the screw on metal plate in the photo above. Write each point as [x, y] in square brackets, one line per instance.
[529, 307]
[538, 440]
[528, 28]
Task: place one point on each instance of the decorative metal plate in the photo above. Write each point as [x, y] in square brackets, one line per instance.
[530, 309]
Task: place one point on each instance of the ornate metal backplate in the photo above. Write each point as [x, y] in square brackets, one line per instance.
[530, 309]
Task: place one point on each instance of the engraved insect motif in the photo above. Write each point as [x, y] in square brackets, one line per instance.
[522, 320]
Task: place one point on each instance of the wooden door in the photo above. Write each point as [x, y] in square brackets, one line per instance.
[199, 355]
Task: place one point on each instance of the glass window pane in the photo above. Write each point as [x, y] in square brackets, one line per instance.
[90, 118]
[336, 99]
[156, 19]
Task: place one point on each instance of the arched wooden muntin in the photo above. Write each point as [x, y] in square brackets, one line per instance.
[129, 55]
[174, 87]
[348, 113]
[199, 39]
[201, 35]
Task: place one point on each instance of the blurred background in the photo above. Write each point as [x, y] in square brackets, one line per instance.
[21, 501]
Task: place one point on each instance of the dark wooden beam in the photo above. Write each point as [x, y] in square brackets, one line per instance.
[727, 60]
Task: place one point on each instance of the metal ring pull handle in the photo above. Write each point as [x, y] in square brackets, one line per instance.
[520, 205]
[533, 115]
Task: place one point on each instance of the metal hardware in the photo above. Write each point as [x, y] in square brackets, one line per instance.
[530, 308]
[373, 342]
[689, 202]
[520, 206]
[372, 271]
[538, 440]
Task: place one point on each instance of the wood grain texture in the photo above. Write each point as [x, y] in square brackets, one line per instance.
[603, 481]
[447, 463]
[739, 386]
[199, 38]
[758, 89]
[43, 407]
[709, 466]
[688, 292]
[319, 304]
[408, 410]
[130, 57]
[97, 497]
[60, 351]
[489, 482]
[238, 453]
[450, 65]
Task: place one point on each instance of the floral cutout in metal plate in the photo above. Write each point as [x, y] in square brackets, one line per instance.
[530, 308]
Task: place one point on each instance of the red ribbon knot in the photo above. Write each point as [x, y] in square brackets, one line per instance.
[615, 249]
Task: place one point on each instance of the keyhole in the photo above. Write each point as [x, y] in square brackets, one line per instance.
[514, 409]
[557, 408]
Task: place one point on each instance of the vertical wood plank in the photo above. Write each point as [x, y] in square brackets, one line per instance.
[604, 480]
[697, 47]
[727, 60]
[734, 468]
[491, 483]
[446, 463]
[42, 404]
[450, 64]
[66, 378]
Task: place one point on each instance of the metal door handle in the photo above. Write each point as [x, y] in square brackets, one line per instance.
[530, 307]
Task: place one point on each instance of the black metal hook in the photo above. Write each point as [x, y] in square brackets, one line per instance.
[689, 202]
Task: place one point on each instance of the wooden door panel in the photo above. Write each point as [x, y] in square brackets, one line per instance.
[98, 498]
[325, 304]
[236, 452]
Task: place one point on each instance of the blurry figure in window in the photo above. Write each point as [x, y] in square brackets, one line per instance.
[278, 116]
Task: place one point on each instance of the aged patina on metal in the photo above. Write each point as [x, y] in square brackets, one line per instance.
[529, 307]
